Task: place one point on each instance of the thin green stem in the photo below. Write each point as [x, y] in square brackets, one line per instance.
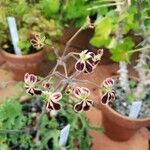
[72, 38]
[104, 5]
[11, 131]
[139, 49]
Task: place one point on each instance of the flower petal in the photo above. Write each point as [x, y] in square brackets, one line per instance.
[26, 77]
[56, 105]
[108, 82]
[49, 106]
[112, 94]
[88, 67]
[56, 96]
[85, 90]
[77, 92]
[80, 65]
[86, 106]
[90, 102]
[100, 52]
[46, 85]
[33, 78]
[105, 98]
[78, 107]
[30, 90]
[37, 91]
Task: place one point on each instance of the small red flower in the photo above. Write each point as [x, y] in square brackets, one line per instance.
[107, 90]
[52, 102]
[82, 93]
[30, 84]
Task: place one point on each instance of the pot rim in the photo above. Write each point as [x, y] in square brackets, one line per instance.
[120, 115]
[10, 55]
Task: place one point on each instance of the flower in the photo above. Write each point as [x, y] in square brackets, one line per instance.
[46, 85]
[37, 41]
[109, 93]
[52, 102]
[85, 104]
[84, 63]
[88, 61]
[97, 57]
[30, 84]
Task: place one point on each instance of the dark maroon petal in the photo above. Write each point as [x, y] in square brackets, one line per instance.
[90, 60]
[85, 91]
[57, 96]
[86, 107]
[110, 81]
[92, 54]
[26, 77]
[105, 98]
[77, 92]
[37, 92]
[90, 102]
[85, 71]
[89, 67]
[46, 85]
[30, 90]
[100, 51]
[56, 105]
[80, 66]
[49, 106]
[78, 107]
[112, 95]
[96, 62]
[32, 78]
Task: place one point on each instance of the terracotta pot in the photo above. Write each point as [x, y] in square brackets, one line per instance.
[23, 64]
[1, 59]
[119, 127]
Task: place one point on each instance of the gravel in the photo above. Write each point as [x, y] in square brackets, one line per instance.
[122, 105]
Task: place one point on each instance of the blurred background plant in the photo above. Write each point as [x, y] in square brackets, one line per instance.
[17, 129]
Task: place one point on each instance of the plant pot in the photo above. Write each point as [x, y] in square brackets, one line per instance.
[20, 65]
[119, 127]
[1, 59]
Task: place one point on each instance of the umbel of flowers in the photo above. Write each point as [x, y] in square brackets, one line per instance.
[86, 62]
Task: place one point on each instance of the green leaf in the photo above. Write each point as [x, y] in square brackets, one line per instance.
[51, 56]
[121, 51]
[102, 32]
[99, 41]
[50, 7]
[104, 27]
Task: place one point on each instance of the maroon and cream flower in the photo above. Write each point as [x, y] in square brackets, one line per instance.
[84, 64]
[82, 93]
[46, 85]
[97, 57]
[30, 84]
[107, 90]
[38, 41]
[53, 101]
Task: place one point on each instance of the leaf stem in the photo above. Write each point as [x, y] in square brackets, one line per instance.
[139, 49]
